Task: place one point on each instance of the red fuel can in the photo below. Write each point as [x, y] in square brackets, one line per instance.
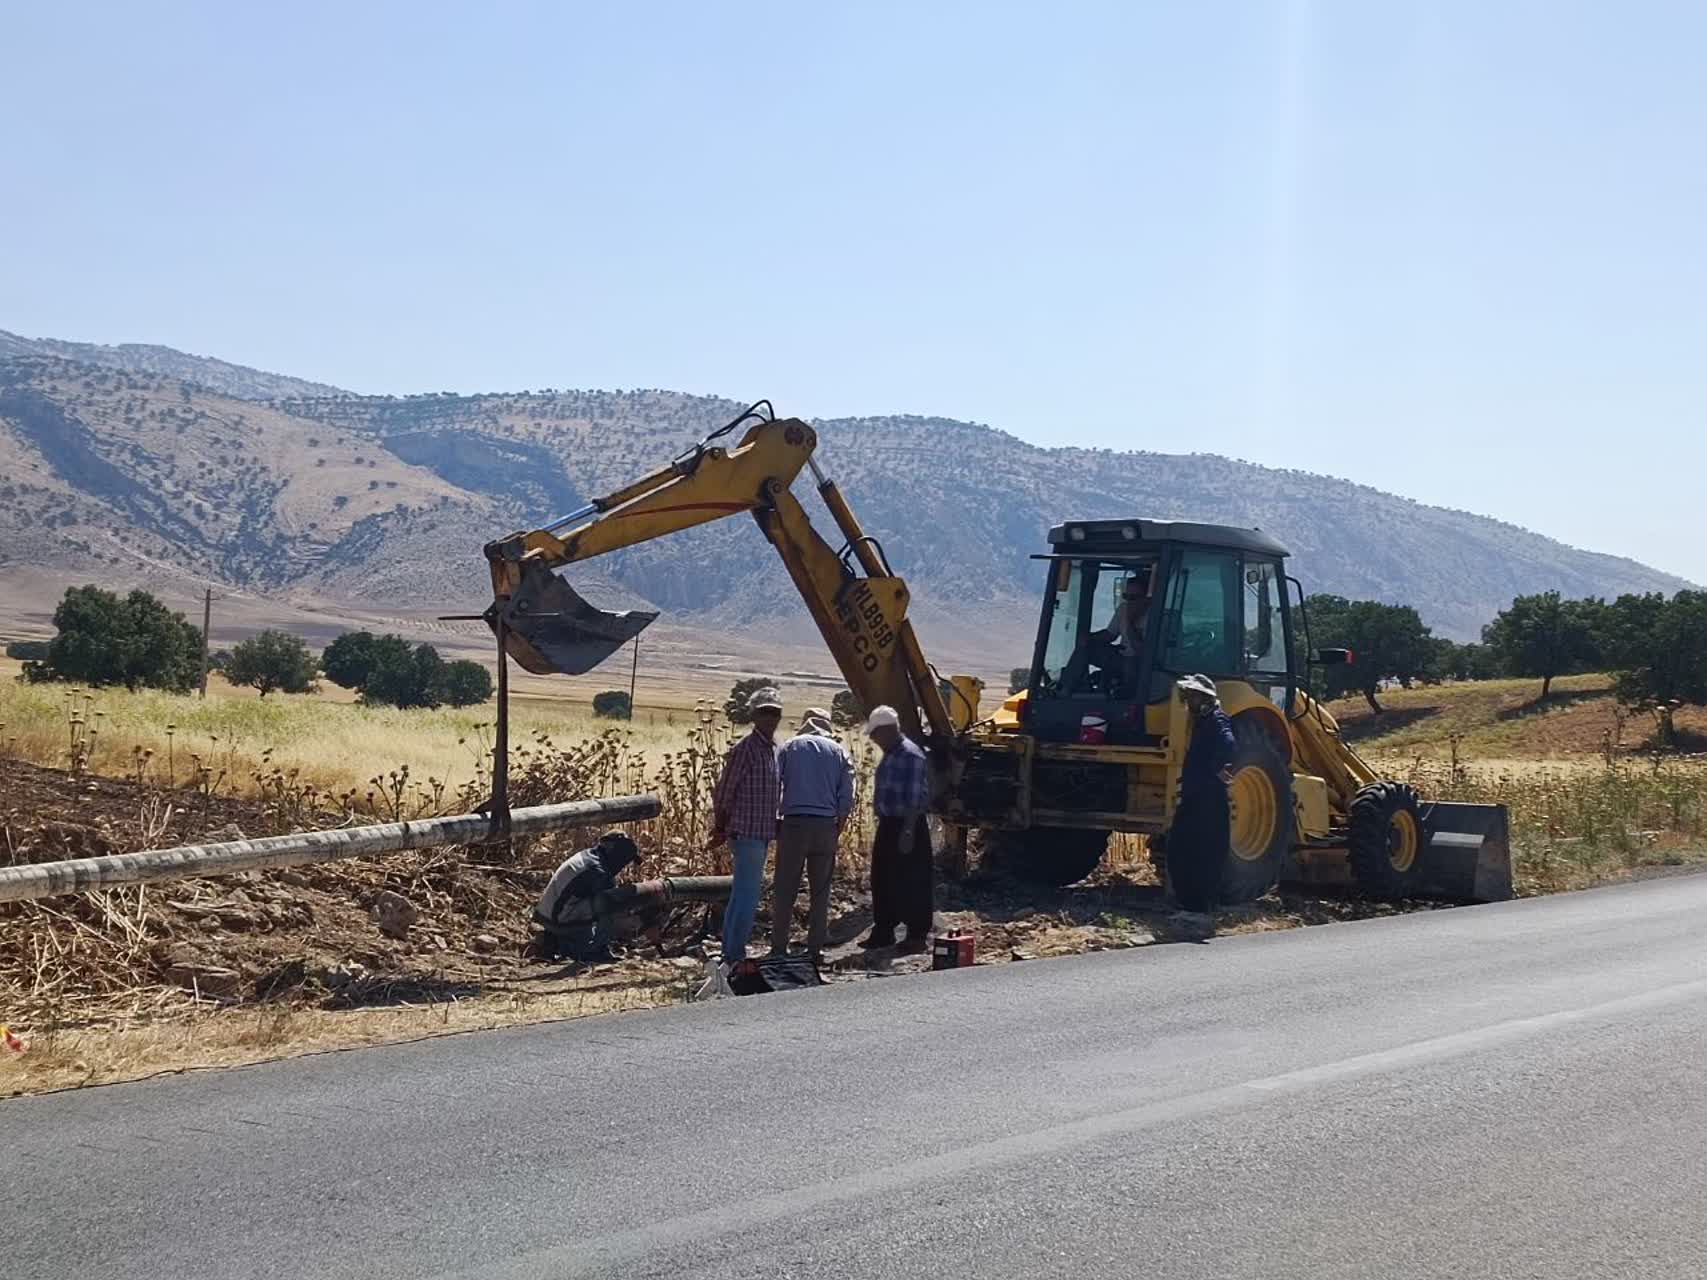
[952, 951]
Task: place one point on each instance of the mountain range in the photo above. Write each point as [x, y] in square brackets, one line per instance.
[139, 462]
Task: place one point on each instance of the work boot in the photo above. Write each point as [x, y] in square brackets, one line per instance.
[913, 946]
[875, 940]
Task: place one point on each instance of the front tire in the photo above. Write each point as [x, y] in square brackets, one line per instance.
[1385, 842]
[1057, 856]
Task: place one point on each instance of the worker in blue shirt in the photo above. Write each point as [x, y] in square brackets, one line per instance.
[817, 798]
[1201, 832]
[901, 888]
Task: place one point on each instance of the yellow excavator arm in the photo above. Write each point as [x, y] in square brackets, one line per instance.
[858, 602]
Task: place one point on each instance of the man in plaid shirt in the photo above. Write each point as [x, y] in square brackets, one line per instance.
[901, 889]
[744, 806]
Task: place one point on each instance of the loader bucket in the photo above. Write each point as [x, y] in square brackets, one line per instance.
[1468, 853]
[551, 630]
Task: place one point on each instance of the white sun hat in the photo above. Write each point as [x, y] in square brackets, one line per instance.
[881, 717]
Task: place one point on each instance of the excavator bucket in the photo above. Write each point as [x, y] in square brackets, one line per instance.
[551, 630]
[1468, 851]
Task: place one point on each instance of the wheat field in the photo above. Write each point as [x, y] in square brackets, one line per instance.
[328, 738]
[1570, 817]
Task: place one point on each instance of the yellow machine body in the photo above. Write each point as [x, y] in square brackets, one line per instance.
[1303, 804]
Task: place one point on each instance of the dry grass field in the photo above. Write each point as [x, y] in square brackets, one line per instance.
[332, 741]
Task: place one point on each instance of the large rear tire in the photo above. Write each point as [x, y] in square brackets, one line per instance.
[1056, 856]
[1261, 820]
[1385, 842]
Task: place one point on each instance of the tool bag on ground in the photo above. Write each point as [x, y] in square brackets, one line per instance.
[774, 973]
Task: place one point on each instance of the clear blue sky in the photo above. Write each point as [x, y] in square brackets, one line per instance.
[1455, 250]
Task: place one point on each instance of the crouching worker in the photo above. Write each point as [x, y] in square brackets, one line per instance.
[569, 927]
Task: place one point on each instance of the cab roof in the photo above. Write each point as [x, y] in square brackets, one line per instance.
[1112, 536]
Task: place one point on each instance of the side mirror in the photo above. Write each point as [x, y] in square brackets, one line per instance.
[1334, 658]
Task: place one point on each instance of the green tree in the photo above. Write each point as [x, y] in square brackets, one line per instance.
[1545, 636]
[1658, 651]
[613, 704]
[1466, 661]
[412, 676]
[735, 705]
[466, 683]
[845, 711]
[28, 650]
[351, 658]
[272, 660]
[135, 641]
[1019, 678]
[1387, 642]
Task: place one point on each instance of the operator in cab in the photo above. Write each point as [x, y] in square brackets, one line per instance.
[1118, 645]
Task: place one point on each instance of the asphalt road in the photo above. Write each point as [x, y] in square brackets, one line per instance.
[1512, 1090]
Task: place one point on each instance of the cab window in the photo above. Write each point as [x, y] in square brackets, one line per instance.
[1201, 626]
[1069, 586]
[1265, 626]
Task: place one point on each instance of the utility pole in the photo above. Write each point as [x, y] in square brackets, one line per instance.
[207, 616]
[633, 674]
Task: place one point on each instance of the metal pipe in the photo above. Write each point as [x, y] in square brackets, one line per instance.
[647, 893]
[49, 879]
[581, 513]
[498, 807]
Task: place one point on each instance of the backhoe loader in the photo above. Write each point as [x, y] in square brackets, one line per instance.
[1096, 742]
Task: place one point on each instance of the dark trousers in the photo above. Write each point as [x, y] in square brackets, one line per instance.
[901, 888]
[1099, 649]
[803, 844]
[1197, 846]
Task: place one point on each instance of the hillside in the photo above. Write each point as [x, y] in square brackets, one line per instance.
[386, 501]
[234, 380]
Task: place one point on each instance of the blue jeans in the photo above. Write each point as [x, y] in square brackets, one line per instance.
[744, 897]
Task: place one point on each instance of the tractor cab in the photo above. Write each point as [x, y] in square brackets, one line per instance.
[1130, 606]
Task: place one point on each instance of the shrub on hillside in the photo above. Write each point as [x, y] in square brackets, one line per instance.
[27, 650]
